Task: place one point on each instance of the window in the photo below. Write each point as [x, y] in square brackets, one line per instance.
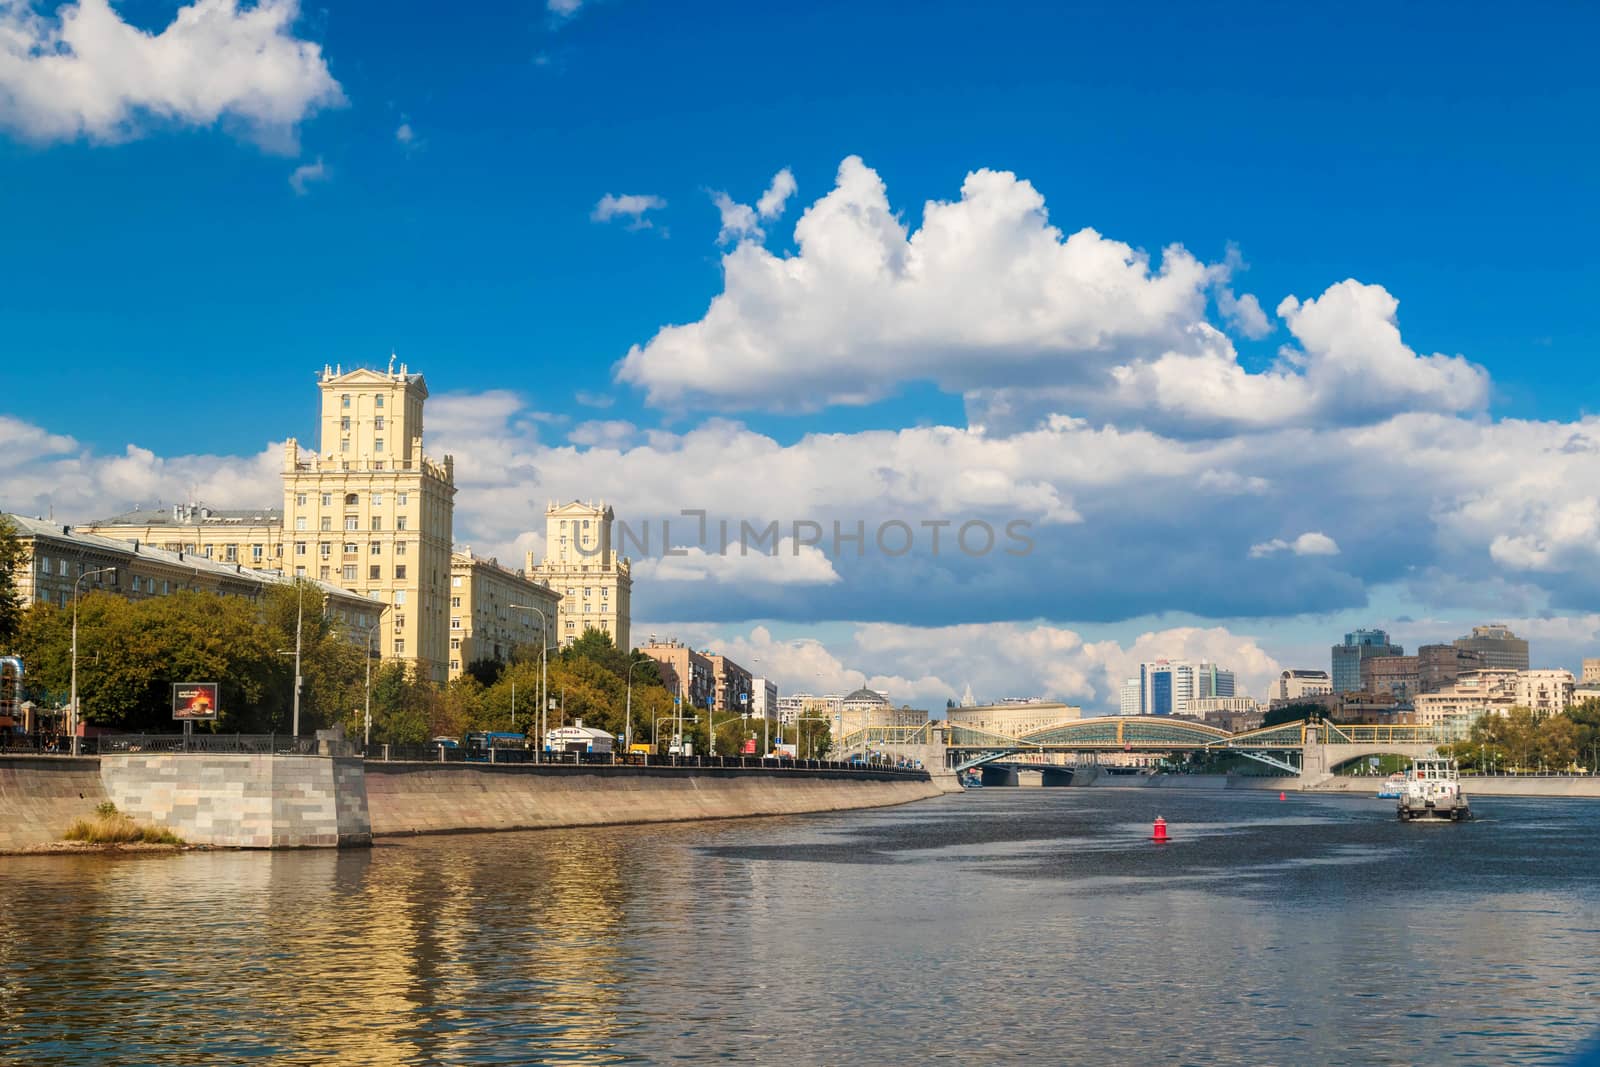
[44, 565]
[455, 602]
[377, 524]
[372, 573]
[352, 523]
[399, 646]
[376, 548]
[455, 582]
[327, 500]
[377, 464]
[455, 643]
[455, 665]
[351, 500]
[324, 549]
[166, 587]
[399, 597]
[299, 522]
[229, 553]
[324, 573]
[587, 608]
[586, 590]
[345, 400]
[377, 423]
[208, 552]
[400, 573]
[350, 572]
[344, 444]
[351, 548]
[400, 522]
[400, 548]
[378, 400]
[255, 553]
[299, 572]
[327, 522]
[344, 423]
[378, 444]
[300, 500]
[455, 622]
[377, 500]
[299, 548]
[402, 499]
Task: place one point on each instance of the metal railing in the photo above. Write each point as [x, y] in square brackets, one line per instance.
[436, 753]
[253, 744]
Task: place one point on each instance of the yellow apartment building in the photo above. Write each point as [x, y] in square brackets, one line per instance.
[581, 564]
[491, 611]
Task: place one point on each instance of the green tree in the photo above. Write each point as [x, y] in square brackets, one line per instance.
[11, 561]
[1292, 713]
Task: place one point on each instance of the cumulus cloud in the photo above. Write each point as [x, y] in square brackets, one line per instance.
[738, 220]
[1311, 543]
[989, 300]
[305, 174]
[564, 8]
[786, 564]
[84, 72]
[405, 134]
[772, 202]
[630, 206]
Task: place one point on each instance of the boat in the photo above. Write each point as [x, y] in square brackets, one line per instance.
[1433, 793]
[1392, 787]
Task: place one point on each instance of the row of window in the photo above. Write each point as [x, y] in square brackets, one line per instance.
[377, 422]
[351, 523]
[353, 499]
[377, 399]
[351, 548]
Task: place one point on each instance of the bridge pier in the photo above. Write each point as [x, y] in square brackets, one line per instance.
[998, 776]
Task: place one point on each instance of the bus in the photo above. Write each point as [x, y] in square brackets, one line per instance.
[507, 746]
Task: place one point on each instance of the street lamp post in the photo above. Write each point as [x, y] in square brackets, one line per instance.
[544, 673]
[372, 631]
[73, 719]
[299, 619]
[627, 711]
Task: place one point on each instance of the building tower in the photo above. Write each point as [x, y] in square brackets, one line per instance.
[582, 565]
[370, 512]
[1358, 645]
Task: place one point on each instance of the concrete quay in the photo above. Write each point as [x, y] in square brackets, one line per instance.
[244, 800]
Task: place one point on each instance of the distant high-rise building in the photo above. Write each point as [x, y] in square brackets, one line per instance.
[1358, 645]
[1295, 684]
[1129, 697]
[1439, 666]
[1165, 687]
[1500, 647]
[1397, 676]
[582, 565]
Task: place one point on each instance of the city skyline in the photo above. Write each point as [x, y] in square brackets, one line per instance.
[1364, 408]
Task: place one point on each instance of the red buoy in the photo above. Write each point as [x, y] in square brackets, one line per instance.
[1283, 796]
[1158, 833]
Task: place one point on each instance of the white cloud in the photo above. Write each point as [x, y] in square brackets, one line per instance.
[564, 8]
[631, 206]
[788, 564]
[604, 433]
[305, 174]
[1312, 543]
[988, 299]
[591, 399]
[738, 220]
[1243, 313]
[405, 134]
[84, 72]
[772, 202]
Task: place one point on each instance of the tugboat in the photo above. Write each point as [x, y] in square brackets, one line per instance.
[1433, 793]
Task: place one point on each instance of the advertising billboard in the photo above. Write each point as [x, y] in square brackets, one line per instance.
[193, 701]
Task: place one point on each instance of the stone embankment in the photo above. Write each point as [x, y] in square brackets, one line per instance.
[262, 801]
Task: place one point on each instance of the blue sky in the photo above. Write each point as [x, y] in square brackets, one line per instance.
[163, 266]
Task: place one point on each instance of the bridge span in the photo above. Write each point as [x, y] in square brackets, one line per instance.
[1310, 750]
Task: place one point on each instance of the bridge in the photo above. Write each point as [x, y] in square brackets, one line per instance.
[1311, 749]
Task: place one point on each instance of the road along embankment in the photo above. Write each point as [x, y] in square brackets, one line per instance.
[433, 798]
[40, 796]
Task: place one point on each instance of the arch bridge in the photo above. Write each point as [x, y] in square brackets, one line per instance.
[1320, 746]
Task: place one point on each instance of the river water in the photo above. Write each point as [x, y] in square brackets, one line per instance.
[1003, 925]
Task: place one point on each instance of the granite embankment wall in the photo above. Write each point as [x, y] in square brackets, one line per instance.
[421, 798]
[243, 801]
[40, 796]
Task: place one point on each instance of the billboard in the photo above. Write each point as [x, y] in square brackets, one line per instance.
[193, 701]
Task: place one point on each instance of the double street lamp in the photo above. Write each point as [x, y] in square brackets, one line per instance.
[73, 720]
[544, 670]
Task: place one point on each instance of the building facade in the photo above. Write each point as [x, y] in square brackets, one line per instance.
[1358, 645]
[1591, 671]
[492, 611]
[1167, 686]
[1014, 720]
[1439, 666]
[1499, 646]
[687, 674]
[1295, 684]
[764, 698]
[1545, 692]
[368, 512]
[1395, 676]
[581, 564]
[729, 681]
[58, 560]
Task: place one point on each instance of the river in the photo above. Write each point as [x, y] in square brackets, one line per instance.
[1003, 925]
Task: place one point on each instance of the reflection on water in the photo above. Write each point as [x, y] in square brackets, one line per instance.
[998, 925]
